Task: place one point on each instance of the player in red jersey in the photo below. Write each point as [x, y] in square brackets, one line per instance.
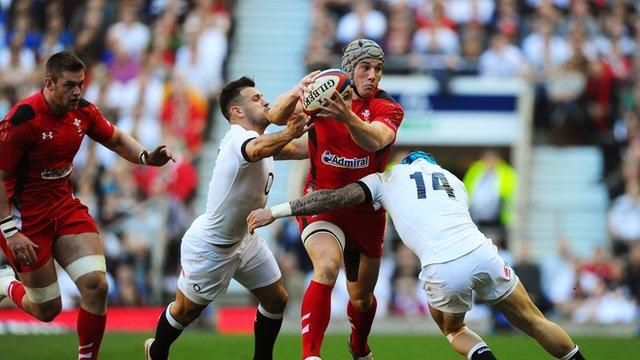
[40, 218]
[348, 141]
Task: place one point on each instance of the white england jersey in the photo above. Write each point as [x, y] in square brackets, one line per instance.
[428, 206]
[237, 187]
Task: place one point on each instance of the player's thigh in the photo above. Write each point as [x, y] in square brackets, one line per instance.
[448, 286]
[258, 267]
[493, 279]
[368, 271]
[42, 290]
[324, 242]
[71, 247]
[518, 308]
[41, 277]
[447, 322]
[206, 269]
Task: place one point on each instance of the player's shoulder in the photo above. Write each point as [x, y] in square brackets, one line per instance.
[383, 97]
[86, 107]
[238, 131]
[24, 111]
[20, 114]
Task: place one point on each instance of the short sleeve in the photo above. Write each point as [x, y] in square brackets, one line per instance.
[390, 114]
[100, 129]
[14, 141]
[373, 187]
[239, 142]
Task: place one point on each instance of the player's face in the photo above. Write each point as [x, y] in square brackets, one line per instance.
[366, 76]
[254, 105]
[67, 89]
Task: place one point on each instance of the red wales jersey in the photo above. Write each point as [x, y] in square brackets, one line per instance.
[336, 159]
[38, 148]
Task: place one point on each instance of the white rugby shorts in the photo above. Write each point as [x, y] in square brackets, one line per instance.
[207, 269]
[449, 285]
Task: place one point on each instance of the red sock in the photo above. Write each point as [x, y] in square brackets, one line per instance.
[361, 326]
[90, 331]
[316, 312]
[16, 292]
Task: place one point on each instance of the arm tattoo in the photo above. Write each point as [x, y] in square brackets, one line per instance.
[323, 200]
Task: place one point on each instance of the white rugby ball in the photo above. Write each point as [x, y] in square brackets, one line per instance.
[325, 83]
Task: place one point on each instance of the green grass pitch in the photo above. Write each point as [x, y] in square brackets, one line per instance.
[205, 345]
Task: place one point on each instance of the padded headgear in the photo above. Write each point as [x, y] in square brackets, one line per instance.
[415, 155]
[359, 50]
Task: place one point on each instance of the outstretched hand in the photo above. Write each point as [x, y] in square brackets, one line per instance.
[159, 156]
[259, 218]
[337, 107]
[304, 85]
[297, 125]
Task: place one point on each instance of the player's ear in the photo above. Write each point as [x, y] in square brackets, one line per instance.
[48, 82]
[236, 111]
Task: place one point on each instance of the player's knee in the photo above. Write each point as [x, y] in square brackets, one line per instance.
[94, 286]
[450, 330]
[277, 302]
[281, 302]
[184, 314]
[48, 312]
[362, 303]
[328, 269]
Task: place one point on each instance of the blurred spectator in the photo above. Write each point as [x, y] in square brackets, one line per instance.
[184, 113]
[362, 22]
[129, 34]
[199, 60]
[566, 91]
[17, 62]
[507, 20]
[559, 276]
[470, 11]
[624, 219]
[407, 295]
[632, 272]
[502, 59]
[543, 49]
[530, 275]
[491, 184]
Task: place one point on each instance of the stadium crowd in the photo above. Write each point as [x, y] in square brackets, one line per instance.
[155, 68]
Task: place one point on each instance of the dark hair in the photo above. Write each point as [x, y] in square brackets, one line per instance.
[230, 92]
[63, 61]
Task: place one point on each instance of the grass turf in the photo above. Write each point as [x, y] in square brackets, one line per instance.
[205, 345]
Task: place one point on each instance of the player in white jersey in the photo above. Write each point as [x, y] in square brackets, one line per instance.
[217, 246]
[428, 206]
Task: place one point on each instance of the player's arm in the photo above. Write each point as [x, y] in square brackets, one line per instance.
[22, 248]
[371, 136]
[131, 150]
[289, 103]
[295, 150]
[313, 203]
[271, 144]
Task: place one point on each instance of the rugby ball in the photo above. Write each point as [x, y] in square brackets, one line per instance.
[324, 84]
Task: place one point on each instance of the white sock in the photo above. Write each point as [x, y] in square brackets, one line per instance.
[172, 321]
[270, 315]
[5, 281]
[570, 354]
[476, 347]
